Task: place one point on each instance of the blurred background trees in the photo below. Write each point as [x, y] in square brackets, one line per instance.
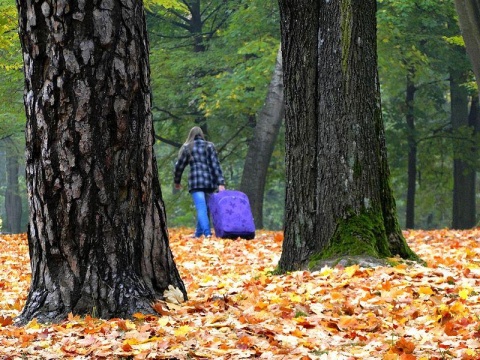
[212, 64]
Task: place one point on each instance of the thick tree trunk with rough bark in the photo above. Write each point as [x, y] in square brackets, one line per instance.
[97, 228]
[469, 19]
[261, 147]
[464, 212]
[338, 198]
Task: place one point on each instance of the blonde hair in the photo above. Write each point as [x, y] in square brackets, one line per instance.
[194, 132]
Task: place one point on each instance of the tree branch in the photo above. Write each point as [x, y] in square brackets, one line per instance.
[167, 141]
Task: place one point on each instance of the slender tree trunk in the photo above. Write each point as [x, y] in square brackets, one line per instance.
[97, 229]
[469, 19]
[196, 26]
[338, 198]
[412, 150]
[13, 200]
[463, 214]
[261, 147]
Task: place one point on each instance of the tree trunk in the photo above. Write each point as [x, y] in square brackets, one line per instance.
[463, 214]
[469, 19]
[13, 200]
[338, 198]
[196, 26]
[261, 147]
[97, 228]
[412, 151]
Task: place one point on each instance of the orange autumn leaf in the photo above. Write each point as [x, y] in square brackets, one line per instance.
[4, 321]
[425, 290]
[278, 237]
[404, 346]
[244, 311]
[139, 316]
[450, 329]
[297, 333]
[161, 308]
[335, 295]
[245, 342]
[390, 356]
[261, 305]
[122, 324]
[407, 357]
[127, 347]
[347, 323]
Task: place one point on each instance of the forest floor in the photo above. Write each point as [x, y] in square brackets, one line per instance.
[238, 310]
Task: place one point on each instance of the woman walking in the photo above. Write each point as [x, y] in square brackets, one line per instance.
[204, 178]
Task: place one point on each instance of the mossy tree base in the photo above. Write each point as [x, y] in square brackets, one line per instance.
[360, 239]
[338, 199]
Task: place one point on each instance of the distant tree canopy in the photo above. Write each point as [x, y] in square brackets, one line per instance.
[212, 63]
[12, 116]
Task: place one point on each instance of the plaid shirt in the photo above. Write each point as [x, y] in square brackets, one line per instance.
[205, 171]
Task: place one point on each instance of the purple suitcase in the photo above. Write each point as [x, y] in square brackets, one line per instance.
[231, 215]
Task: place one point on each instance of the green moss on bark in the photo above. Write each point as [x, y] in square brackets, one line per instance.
[358, 235]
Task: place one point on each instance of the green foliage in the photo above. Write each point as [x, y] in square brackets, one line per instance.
[423, 37]
[12, 116]
[10, 55]
[166, 4]
[455, 40]
[241, 89]
[220, 86]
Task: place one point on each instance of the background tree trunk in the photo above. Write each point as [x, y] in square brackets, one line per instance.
[97, 228]
[469, 19]
[261, 147]
[412, 150]
[13, 200]
[463, 212]
[338, 197]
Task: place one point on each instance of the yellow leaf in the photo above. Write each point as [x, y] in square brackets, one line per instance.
[457, 308]
[130, 325]
[163, 321]
[33, 324]
[139, 316]
[425, 290]
[182, 330]
[295, 298]
[351, 270]
[132, 341]
[464, 294]
[470, 352]
[326, 271]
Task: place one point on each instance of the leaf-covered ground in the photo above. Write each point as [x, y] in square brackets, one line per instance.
[237, 310]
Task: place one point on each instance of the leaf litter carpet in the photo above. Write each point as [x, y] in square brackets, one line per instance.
[238, 310]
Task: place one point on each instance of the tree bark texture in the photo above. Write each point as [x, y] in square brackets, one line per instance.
[97, 227]
[13, 200]
[463, 212]
[469, 19]
[412, 150]
[261, 147]
[338, 197]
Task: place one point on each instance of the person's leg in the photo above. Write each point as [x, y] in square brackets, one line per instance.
[207, 198]
[203, 224]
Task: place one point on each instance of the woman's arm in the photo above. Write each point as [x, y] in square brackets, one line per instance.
[180, 165]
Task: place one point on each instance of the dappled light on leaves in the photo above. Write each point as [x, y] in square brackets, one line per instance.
[238, 310]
